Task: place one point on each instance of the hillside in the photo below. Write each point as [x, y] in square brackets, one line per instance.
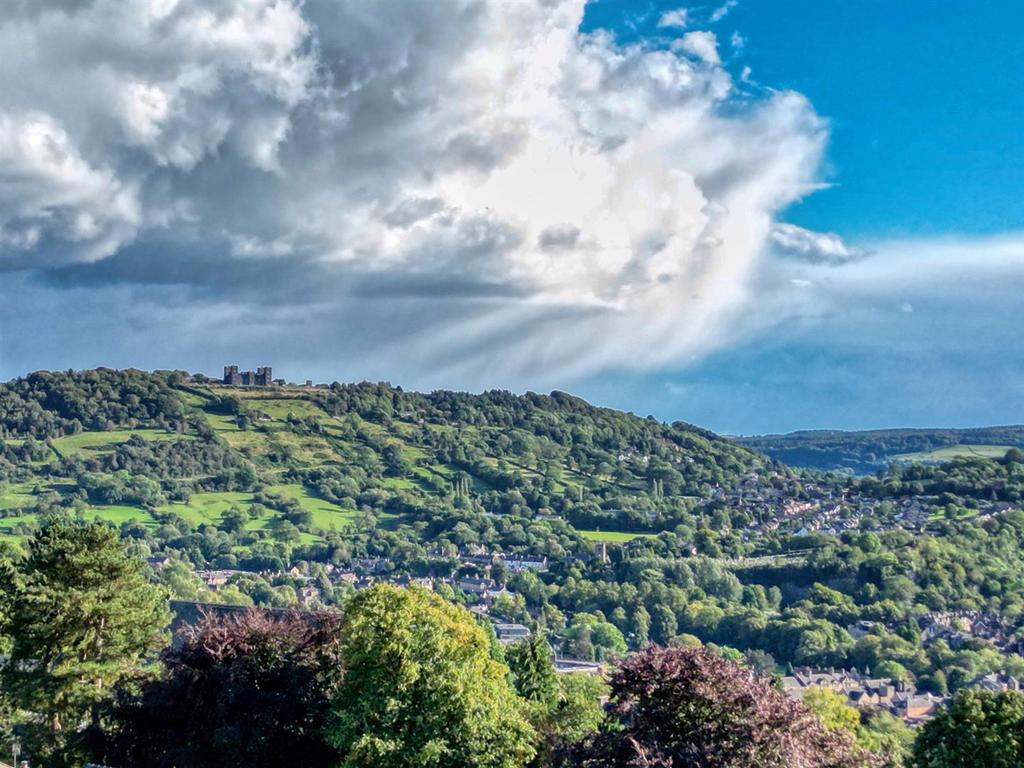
[154, 447]
[868, 451]
[609, 529]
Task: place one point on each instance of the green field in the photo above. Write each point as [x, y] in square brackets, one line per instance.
[207, 507]
[614, 537]
[280, 407]
[98, 441]
[210, 507]
[111, 514]
[17, 496]
[326, 516]
[956, 452]
[202, 508]
[120, 514]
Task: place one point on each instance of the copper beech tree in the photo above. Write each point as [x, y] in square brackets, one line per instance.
[249, 688]
[691, 708]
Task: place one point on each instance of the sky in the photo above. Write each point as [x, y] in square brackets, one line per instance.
[753, 216]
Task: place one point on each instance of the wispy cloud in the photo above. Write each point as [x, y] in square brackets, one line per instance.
[676, 18]
[723, 10]
[814, 247]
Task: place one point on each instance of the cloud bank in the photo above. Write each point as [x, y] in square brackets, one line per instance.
[474, 186]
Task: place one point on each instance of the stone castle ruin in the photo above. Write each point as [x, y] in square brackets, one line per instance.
[261, 377]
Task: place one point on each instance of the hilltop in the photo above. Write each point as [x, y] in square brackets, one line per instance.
[871, 450]
[149, 447]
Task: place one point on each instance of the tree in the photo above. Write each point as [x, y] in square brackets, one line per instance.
[664, 626]
[421, 688]
[832, 709]
[882, 733]
[83, 618]
[533, 671]
[888, 736]
[689, 707]
[641, 626]
[575, 716]
[245, 688]
[980, 729]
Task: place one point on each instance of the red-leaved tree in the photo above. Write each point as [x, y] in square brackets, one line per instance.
[691, 708]
[248, 688]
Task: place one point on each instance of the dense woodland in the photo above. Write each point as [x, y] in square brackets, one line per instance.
[644, 538]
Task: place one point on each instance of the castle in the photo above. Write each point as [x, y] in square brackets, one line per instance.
[261, 377]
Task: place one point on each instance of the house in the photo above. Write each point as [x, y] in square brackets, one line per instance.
[478, 587]
[512, 633]
[864, 692]
[997, 681]
[372, 564]
[525, 563]
[216, 578]
[565, 666]
[919, 708]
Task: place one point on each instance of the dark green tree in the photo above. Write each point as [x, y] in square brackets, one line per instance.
[980, 729]
[533, 671]
[83, 618]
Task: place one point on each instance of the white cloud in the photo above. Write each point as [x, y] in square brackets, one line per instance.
[675, 18]
[848, 293]
[702, 44]
[723, 10]
[570, 201]
[815, 247]
[737, 41]
[50, 195]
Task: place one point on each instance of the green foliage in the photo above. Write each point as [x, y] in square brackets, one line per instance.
[879, 731]
[48, 404]
[421, 689]
[873, 450]
[533, 671]
[980, 729]
[83, 617]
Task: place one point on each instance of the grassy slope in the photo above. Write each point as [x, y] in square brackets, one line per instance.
[264, 443]
[956, 452]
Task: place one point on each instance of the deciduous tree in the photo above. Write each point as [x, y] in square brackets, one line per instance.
[691, 708]
[421, 688]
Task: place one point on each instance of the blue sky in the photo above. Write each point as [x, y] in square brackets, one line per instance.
[754, 216]
[925, 101]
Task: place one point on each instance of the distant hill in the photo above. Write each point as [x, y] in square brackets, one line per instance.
[868, 451]
[155, 447]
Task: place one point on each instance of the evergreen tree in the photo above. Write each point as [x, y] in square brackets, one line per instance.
[83, 617]
[533, 671]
